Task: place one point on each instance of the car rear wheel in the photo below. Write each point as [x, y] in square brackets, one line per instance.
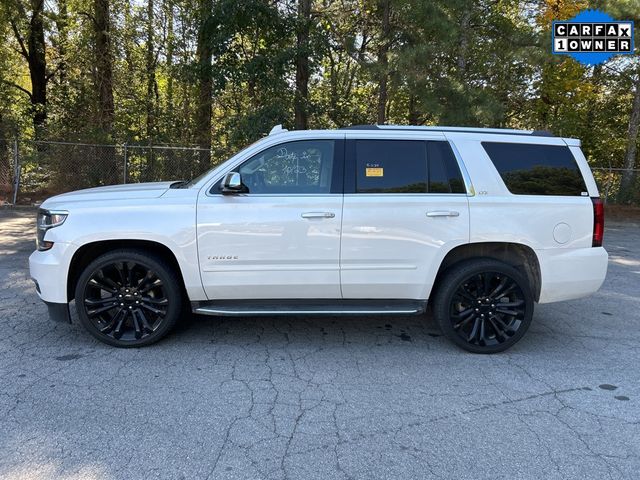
[484, 305]
[128, 298]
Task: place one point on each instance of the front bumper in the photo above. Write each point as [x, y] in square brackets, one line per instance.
[571, 273]
[49, 271]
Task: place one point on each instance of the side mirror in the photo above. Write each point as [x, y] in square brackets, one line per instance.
[233, 184]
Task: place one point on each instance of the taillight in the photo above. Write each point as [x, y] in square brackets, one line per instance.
[598, 221]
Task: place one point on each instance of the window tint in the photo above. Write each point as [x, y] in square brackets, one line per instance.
[444, 174]
[294, 167]
[391, 166]
[406, 166]
[528, 169]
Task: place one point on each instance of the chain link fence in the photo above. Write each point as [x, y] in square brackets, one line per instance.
[8, 171]
[609, 181]
[31, 171]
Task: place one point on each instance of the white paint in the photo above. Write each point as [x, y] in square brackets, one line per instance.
[352, 246]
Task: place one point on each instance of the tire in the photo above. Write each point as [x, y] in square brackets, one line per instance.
[483, 305]
[128, 298]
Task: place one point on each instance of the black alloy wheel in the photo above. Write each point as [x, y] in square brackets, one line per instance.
[128, 298]
[484, 306]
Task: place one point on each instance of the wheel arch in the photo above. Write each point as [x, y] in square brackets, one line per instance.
[517, 255]
[89, 251]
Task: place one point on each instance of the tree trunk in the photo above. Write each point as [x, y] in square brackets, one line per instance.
[333, 89]
[37, 65]
[33, 51]
[151, 74]
[596, 82]
[302, 65]
[170, 46]
[413, 114]
[628, 176]
[383, 62]
[204, 53]
[62, 23]
[104, 65]
[463, 43]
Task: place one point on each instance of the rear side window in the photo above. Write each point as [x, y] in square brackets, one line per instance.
[528, 169]
[406, 166]
[391, 166]
[444, 174]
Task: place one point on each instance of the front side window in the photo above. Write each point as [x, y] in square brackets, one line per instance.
[529, 169]
[294, 167]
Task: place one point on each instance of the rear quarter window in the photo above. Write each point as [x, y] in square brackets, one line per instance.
[529, 169]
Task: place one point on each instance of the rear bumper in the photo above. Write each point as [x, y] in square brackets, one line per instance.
[571, 273]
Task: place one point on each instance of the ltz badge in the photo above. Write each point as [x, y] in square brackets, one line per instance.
[592, 37]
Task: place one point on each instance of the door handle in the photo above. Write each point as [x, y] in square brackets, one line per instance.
[318, 215]
[443, 213]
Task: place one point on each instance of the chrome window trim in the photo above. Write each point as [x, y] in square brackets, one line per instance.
[413, 195]
[283, 195]
[471, 192]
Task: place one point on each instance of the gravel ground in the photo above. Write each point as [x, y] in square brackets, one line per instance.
[325, 398]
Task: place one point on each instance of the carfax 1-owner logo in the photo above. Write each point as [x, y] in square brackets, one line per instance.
[592, 37]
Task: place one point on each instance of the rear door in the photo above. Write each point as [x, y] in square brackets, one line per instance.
[405, 206]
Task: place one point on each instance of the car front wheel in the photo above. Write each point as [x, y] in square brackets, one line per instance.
[128, 298]
[484, 305]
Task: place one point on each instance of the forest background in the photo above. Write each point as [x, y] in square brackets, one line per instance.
[219, 74]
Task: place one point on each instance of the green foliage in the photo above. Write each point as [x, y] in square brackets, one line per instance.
[456, 62]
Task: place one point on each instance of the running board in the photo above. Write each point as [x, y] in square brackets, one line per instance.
[240, 308]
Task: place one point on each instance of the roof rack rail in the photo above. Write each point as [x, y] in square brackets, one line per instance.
[495, 131]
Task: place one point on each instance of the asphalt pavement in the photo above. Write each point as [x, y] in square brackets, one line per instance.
[321, 398]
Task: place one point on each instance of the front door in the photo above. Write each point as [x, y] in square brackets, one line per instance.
[281, 239]
[405, 205]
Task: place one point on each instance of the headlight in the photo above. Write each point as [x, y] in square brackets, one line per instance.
[48, 219]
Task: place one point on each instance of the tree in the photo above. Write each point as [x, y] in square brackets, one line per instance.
[103, 66]
[383, 60]
[204, 53]
[150, 67]
[28, 29]
[629, 175]
[302, 64]
[221, 73]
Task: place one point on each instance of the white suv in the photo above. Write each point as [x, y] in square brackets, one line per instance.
[478, 224]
